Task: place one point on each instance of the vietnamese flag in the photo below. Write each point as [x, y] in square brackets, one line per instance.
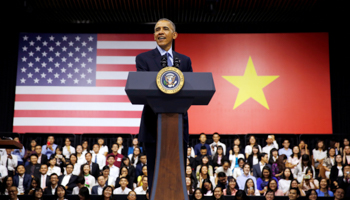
[265, 83]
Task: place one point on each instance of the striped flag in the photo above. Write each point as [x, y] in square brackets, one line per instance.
[74, 83]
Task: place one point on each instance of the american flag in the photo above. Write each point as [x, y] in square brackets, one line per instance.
[74, 83]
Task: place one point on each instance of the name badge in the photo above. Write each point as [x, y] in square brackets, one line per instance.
[119, 159]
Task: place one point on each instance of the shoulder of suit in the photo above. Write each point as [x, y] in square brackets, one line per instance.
[181, 56]
[147, 53]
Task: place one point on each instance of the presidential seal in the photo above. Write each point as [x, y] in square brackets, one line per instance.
[170, 80]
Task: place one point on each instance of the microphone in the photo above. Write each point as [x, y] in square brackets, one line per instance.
[176, 62]
[163, 61]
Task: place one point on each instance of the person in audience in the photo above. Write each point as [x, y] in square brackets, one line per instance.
[126, 163]
[216, 143]
[286, 179]
[84, 193]
[285, 150]
[50, 147]
[131, 195]
[33, 168]
[204, 162]
[328, 163]
[107, 193]
[6, 185]
[68, 149]
[336, 171]
[190, 174]
[103, 149]
[221, 180]
[263, 180]
[218, 193]
[22, 180]
[236, 141]
[76, 166]
[273, 156]
[308, 182]
[122, 150]
[97, 189]
[13, 192]
[311, 195]
[219, 157]
[97, 158]
[199, 158]
[143, 173]
[270, 144]
[117, 157]
[124, 173]
[250, 188]
[190, 158]
[189, 185]
[295, 184]
[323, 190]
[44, 178]
[140, 164]
[319, 154]
[30, 150]
[60, 159]
[273, 186]
[38, 194]
[42, 158]
[346, 155]
[94, 168]
[225, 168]
[52, 168]
[123, 189]
[113, 170]
[10, 162]
[344, 181]
[60, 193]
[90, 180]
[303, 148]
[279, 166]
[294, 194]
[339, 194]
[253, 158]
[234, 156]
[344, 144]
[202, 142]
[207, 187]
[69, 180]
[135, 143]
[110, 180]
[241, 180]
[270, 195]
[232, 187]
[85, 146]
[198, 195]
[80, 184]
[80, 155]
[257, 169]
[294, 159]
[203, 174]
[135, 156]
[51, 189]
[144, 186]
[249, 148]
[239, 170]
[35, 183]
[19, 153]
[241, 195]
[300, 169]
[335, 145]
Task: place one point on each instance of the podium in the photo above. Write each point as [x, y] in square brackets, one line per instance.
[169, 176]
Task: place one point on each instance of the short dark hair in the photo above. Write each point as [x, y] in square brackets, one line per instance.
[105, 167]
[221, 174]
[123, 178]
[298, 191]
[261, 155]
[70, 164]
[88, 153]
[110, 156]
[53, 174]
[34, 155]
[203, 147]
[80, 180]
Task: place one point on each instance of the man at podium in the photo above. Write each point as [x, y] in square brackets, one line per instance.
[155, 60]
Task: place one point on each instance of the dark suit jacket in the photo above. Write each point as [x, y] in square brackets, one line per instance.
[257, 171]
[26, 181]
[71, 183]
[138, 170]
[94, 189]
[43, 159]
[48, 190]
[150, 61]
[95, 171]
[36, 169]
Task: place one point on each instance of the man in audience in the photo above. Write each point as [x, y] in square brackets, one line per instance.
[143, 161]
[69, 180]
[202, 142]
[49, 148]
[117, 157]
[98, 158]
[344, 181]
[33, 168]
[94, 168]
[222, 180]
[80, 183]
[271, 143]
[243, 178]
[97, 189]
[285, 150]
[53, 185]
[122, 189]
[122, 150]
[190, 158]
[42, 158]
[216, 143]
[44, 178]
[264, 160]
[339, 194]
[203, 152]
[13, 192]
[113, 170]
[9, 161]
[141, 190]
[22, 180]
[19, 153]
[294, 194]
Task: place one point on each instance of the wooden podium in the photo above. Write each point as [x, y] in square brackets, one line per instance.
[10, 144]
[169, 176]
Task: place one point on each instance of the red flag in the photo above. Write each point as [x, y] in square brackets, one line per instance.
[265, 83]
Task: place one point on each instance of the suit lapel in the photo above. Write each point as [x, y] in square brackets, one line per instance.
[156, 58]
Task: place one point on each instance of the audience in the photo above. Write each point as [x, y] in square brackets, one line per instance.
[257, 169]
[202, 142]
[98, 158]
[22, 180]
[270, 144]
[123, 189]
[285, 150]
[216, 143]
[69, 180]
[50, 147]
[51, 189]
[68, 149]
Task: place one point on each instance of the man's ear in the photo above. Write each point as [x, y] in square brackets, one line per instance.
[175, 35]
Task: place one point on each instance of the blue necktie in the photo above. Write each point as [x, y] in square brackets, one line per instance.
[169, 59]
[95, 158]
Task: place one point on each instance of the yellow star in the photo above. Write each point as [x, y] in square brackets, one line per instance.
[250, 85]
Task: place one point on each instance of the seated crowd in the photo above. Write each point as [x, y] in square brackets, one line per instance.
[212, 169]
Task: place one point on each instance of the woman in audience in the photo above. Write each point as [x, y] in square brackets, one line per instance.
[273, 186]
[224, 168]
[60, 192]
[135, 143]
[131, 195]
[308, 182]
[344, 144]
[218, 193]
[60, 159]
[335, 145]
[319, 154]
[38, 193]
[80, 155]
[126, 163]
[84, 193]
[273, 156]
[323, 191]
[249, 148]
[29, 151]
[300, 170]
[90, 180]
[198, 195]
[284, 182]
[262, 182]
[189, 186]
[239, 170]
[205, 162]
[86, 147]
[328, 163]
[250, 189]
[232, 187]
[295, 184]
[124, 172]
[6, 185]
[107, 193]
[270, 195]
[303, 148]
[52, 168]
[207, 187]
[234, 156]
[35, 183]
[294, 159]
[336, 171]
[279, 166]
[346, 155]
[311, 195]
[190, 174]
[135, 156]
[253, 158]
[73, 160]
[103, 148]
[144, 173]
[68, 149]
[203, 174]
[218, 158]
[241, 195]
[110, 180]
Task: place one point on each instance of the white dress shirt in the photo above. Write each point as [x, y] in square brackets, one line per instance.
[3, 172]
[65, 179]
[11, 163]
[140, 191]
[119, 190]
[284, 185]
[55, 170]
[66, 153]
[20, 184]
[101, 160]
[76, 189]
[81, 160]
[53, 190]
[103, 150]
[114, 171]
[248, 149]
[268, 148]
[215, 147]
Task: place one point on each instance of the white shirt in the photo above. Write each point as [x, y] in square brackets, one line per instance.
[53, 190]
[136, 160]
[268, 148]
[215, 147]
[319, 154]
[12, 163]
[103, 150]
[99, 190]
[3, 172]
[221, 169]
[232, 159]
[299, 173]
[249, 149]
[66, 153]
[43, 179]
[284, 185]
[90, 181]
[81, 160]
[101, 160]
[55, 170]
[114, 171]
[76, 190]
[139, 190]
[65, 179]
[20, 184]
[120, 191]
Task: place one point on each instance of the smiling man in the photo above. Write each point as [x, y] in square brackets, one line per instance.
[164, 34]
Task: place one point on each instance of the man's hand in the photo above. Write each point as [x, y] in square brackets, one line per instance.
[9, 156]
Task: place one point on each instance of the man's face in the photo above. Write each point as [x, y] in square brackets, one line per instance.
[21, 170]
[225, 166]
[110, 160]
[203, 152]
[123, 182]
[188, 151]
[223, 180]
[269, 140]
[54, 180]
[216, 138]
[120, 140]
[101, 181]
[293, 195]
[347, 149]
[145, 182]
[246, 169]
[33, 160]
[115, 148]
[339, 194]
[69, 169]
[346, 170]
[88, 157]
[13, 192]
[43, 169]
[16, 139]
[96, 148]
[8, 151]
[164, 34]
[203, 138]
[265, 158]
[51, 139]
[38, 150]
[143, 159]
[286, 144]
